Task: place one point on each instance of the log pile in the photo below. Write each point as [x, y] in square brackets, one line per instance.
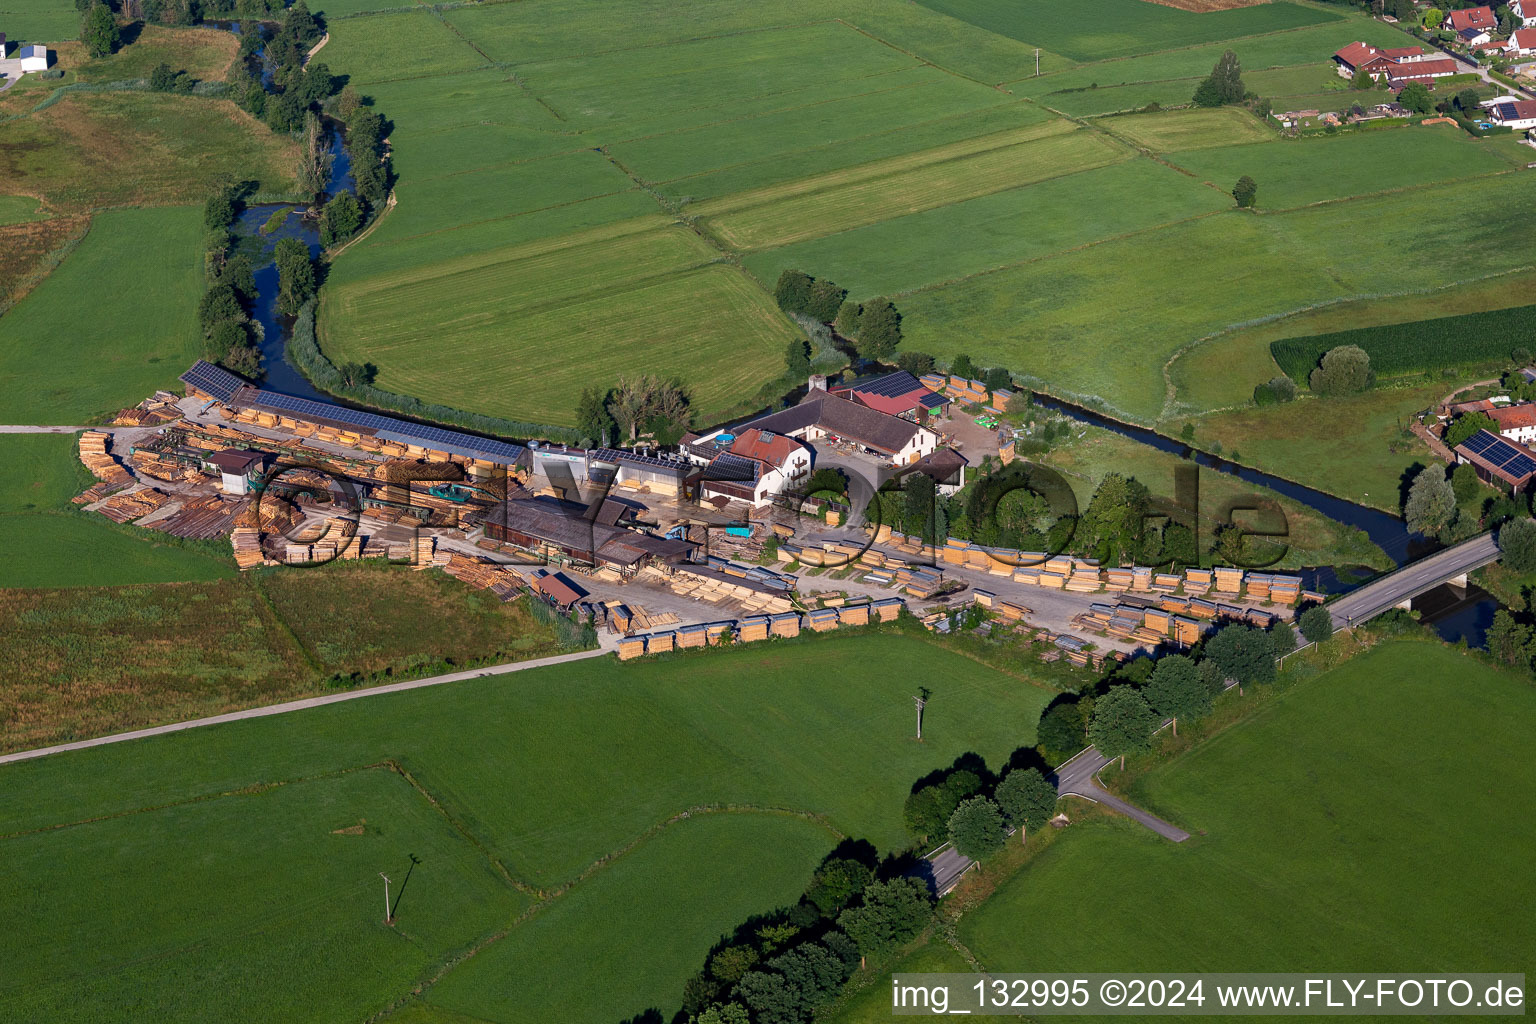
[202, 518]
[131, 505]
[93, 454]
[246, 543]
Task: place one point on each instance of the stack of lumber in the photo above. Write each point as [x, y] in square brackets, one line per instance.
[1010, 611]
[1167, 582]
[1229, 581]
[247, 547]
[854, 615]
[631, 647]
[752, 629]
[1084, 580]
[1118, 579]
[271, 515]
[822, 619]
[619, 616]
[1258, 586]
[966, 391]
[985, 598]
[1285, 589]
[691, 636]
[715, 632]
[1201, 609]
[93, 453]
[298, 553]
[211, 515]
[1176, 605]
[94, 493]
[1186, 631]
[784, 624]
[660, 643]
[131, 505]
[1197, 581]
[149, 413]
[1141, 578]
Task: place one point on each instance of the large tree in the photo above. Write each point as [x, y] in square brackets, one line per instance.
[1431, 503]
[1517, 545]
[1416, 98]
[593, 421]
[647, 400]
[98, 31]
[1122, 723]
[1467, 424]
[976, 828]
[340, 219]
[1027, 800]
[836, 883]
[892, 913]
[793, 291]
[826, 299]
[1243, 653]
[295, 275]
[1176, 690]
[879, 329]
[1245, 191]
[927, 811]
[1223, 85]
[797, 358]
[1316, 624]
[1062, 731]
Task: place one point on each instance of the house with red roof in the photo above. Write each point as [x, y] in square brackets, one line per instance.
[1516, 422]
[1522, 42]
[1516, 115]
[1399, 65]
[1472, 17]
[895, 394]
[753, 465]
[1525, 11]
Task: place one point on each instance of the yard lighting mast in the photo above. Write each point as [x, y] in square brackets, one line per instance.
[387, 918]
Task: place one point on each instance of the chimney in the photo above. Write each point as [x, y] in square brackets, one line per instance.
[818, 382]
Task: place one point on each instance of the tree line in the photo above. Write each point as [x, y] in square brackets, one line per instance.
[641, 404]
[874, 326]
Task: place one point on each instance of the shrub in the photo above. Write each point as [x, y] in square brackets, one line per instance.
[976, 828]
[1274, 391]
[1345, 370]
[1245, 191]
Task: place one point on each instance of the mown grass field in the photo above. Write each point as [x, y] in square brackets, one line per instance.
[1288, 835]
[116, 321]
[865, 143]
[40, 20]
[542, 775]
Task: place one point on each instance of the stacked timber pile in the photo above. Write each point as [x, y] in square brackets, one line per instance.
[211, 515]
[148, 413]
[131, 505]
[160, 467]
[271, 515]
[480, 574]
[93, 454]
[246, 542]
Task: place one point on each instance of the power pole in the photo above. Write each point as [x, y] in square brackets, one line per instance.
[387, 918]
[1037, 62]
[921, 701]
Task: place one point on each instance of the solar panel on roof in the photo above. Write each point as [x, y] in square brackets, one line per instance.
[451, 441]
[1520, 465]
[731, 467]
[212, 380]
[1479, 442]
[1499, 452]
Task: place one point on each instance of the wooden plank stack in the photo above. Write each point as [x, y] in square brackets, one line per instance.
[752, 629]
[246, 543]
[854, 615]
[631, 647]
[784, 624]
[131, 505]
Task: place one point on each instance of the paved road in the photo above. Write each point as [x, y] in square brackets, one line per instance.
[315, 702]
[1412, 580]
[1078, 777]
[944, 867]
[28, 429]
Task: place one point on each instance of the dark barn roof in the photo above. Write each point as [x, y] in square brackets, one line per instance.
[843, 418]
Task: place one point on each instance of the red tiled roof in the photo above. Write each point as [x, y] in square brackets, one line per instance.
[1513, 417]
[1422, 69]
[1524, 39]
[1399, 52]
[1356, 53]
[1473, 17]
[773, 449]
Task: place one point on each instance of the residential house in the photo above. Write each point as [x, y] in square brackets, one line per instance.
[753, 465]
[1516, 422]
[945, 467]
[1399, 65]
[1472, 17]
[822, 415]
[1522, 42]
[1517, 115]
[1524, 12]
[1400, 74]
[1470, 37]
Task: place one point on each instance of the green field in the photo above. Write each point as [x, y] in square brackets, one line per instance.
[115, 322]
[39, 20]
[866, 143]
[545, 776]
[53, 544]
[1120, 28]
[1300, 854]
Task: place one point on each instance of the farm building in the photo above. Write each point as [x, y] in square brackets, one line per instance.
[824, 415]
[33, 58]
[1516, 422]
[391, 436]
[560, 531]
[1498, 463]
[1398, 65]
[895, 394]
[1472, 17]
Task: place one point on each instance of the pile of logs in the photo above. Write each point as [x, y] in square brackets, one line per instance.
[131, 505]
[246, 542]
[209, 516]
[93, 453]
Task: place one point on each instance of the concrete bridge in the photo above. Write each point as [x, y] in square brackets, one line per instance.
[1398, 588]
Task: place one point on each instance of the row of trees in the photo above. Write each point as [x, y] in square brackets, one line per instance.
[230, 336]
[1456, 506]
[1120, 715]
[975, 812]
[780, 968]
[873, 326]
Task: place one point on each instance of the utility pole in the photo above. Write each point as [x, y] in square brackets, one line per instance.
[387, 918]
[1037, 62]
[921, 701]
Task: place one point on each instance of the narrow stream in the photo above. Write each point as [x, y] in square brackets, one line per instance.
[1456, 613]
